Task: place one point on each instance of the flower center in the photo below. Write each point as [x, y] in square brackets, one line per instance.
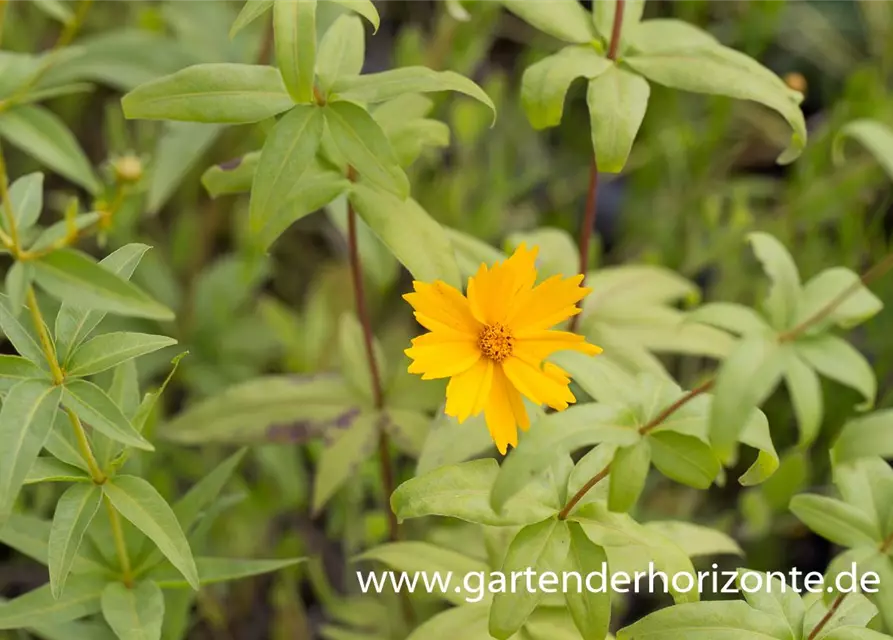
[496, 342]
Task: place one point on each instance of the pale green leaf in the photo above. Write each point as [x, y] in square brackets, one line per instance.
[294, 26]
[143, 506]
[875, 136]
[26, 198]
[80, 599]
[684, 458]
[93, 406]
[73, 322]
[837, 359]
[545, 83]
[629, 471]
[233, 176]
[696, 540]
[778, 599]
[290, 149]
[805, 390]
[463, 491]
[617, 102]
[541, 547]
[75, 278]
[111, 349]
[604, 14]
[18, 279]
[733, 620]
[251, 11]
[387, 85]
[26, 419]
[49, 469]
[341, 460]
[14, 369]
[590, 610]
[341, 51]
[365, 147]
[732, 317]
[218, 92]
[864, 437]
[837, 521]
[413, 236]
[722, 71]
[365, 8]
[134, 613]
[469, 623]
[565, 19]
[41, 134]
[74, 513]
[781, 303]
[756, 434]
[828, 287]
[216, 570]
[178, 150]
[668, 35]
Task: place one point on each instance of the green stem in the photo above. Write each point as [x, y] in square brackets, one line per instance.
[49, 351]
[120, 544]
[80, 435]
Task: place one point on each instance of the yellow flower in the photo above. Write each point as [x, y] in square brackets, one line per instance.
[492, 344]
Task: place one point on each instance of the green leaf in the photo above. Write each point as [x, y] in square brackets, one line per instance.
[837, 359]
[805, 390]
[233, 176]
[74, 513]
[875, 136]
[341, 460]
[365, 147]
[111, 349]
[26, 198]
[41, 134]
[826, 288]
[93, 406]
[779, 600]
[352, 354]
[14, 369]
[556, 435]
[179, 148]
[591, 611]
[26, 419]
[781, 303]
[251, 11]
[617, 102]
[80, 599]
[341, 51]
[449, 442]
[143, 506]
[865, 437]
[599, 377]
[294, 25]
[668, 35]
[837, 521]
[629, 471]
[416, 557]
[49, 469]
[756, 434]
[854, 611]
[134, 613]
[218, 92]
[316, 188]
[746, 378]
[18, 279]
[684, 458]
[73, 322]
[565, 19]
[732, 317]
[545, 83]
[463, 491]
[387, 85]
[541, 547]
[216, 570]
[708, 621]
[695, 540]
[722, 71]
[22, 336]
[468, 622]
[56, 233]
[413, 236]
[75, 278]
[289, 151]
[264, 409]
[364, 8]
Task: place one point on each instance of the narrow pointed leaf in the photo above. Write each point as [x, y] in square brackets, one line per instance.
[365, 8]
[294, 25]
[136, 613]
[216, 570]
[111, 349]
[617, 102]
[143, 506]
[565, 19]
[80, 599]
[14, 369]
[251, 11]
[74, 513]
[26, 198]
[629, 471]
[20, 334]
[26, 419]
[341, 51]
[75, 278]
[93, 406]
[591, 611]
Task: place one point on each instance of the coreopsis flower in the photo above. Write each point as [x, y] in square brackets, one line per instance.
[493, 343]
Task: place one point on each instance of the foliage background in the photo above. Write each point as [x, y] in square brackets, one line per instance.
[701, 177]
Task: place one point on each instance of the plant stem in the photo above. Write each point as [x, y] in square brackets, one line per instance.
[673, 408]
[120, 544]
[827, 617]
[594, 480]
[587, 226]
[49, 351]
[80, 435]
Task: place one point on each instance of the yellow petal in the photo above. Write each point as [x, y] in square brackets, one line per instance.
[547, 304]
[491, 291]
[467, 392]
[442, 360]
[538, 385]
[504, 411]
[444, 305]
[539, 345]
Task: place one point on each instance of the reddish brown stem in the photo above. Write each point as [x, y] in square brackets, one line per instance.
[827, 617]
[673, 408]
[594, 480]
